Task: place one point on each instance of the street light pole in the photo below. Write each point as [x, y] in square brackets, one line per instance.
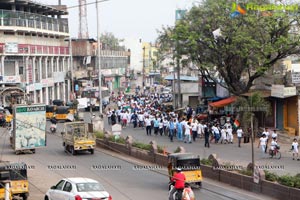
[144, 68]
[71, 66]
[99, 60]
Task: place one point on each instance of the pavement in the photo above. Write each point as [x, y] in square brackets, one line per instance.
[229, 154]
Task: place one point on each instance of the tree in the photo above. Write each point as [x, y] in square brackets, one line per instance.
[110, 42]
[245, 47]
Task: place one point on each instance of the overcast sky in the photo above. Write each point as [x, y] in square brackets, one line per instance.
[138, 19]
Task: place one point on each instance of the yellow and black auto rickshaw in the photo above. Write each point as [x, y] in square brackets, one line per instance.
[16, 174]
[50, 111]
[190, 165]
[63, 113]
[72, 108]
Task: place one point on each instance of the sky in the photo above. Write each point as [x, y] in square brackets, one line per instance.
[137, 19]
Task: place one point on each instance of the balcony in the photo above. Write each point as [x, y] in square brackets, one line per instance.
[32, 21]
[28, 49]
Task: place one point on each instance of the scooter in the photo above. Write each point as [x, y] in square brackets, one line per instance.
[53, 128]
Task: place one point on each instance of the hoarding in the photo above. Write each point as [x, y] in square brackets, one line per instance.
[29, 126]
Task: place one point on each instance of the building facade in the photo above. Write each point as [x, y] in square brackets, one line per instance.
[34, 56]
[114, 65]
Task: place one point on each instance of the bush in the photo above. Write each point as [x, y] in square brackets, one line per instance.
[120, 140]
[177, 150]
[287, 180]
[142, 146]
[270, 176]
[245, 172]
[160, 149]
[99, 134]
[205, 161]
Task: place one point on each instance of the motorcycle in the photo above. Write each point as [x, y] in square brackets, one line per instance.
[53, 128]
[183, 194]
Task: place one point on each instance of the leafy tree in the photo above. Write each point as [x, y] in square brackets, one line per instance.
[252, 105]
[110, 42]
[245, 48]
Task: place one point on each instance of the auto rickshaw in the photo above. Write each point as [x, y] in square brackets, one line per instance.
[72, 108]
[58, 102]
[50, 111]
[190, 165]
[63, 113]
[16, 174]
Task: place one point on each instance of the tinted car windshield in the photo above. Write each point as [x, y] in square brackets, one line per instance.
[89, 187]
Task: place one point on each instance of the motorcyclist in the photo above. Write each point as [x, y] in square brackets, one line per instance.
[179, 179]
[53, 124]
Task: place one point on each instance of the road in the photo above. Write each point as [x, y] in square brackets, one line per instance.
[226, 153]
[123, 183]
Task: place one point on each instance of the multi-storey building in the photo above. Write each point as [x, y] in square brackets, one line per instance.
[34, 53]
[114, 65]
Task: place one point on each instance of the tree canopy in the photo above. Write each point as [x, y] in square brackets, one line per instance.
[241, 48]
[110, 42]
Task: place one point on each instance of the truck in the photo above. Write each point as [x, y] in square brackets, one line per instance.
[29, 128]
[77, 136]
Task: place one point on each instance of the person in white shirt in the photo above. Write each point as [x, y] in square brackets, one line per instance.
[160, 127]
[295, 147]
[141, 119]
[148, 125]
[267, 134]
[229, 135]
[273, 146]
[187, 133]
[165, 126]
[200, 130]
[108, 114]
[194, 125]
[223, 135]
[239, 134]
[274, 135]
[262, 145]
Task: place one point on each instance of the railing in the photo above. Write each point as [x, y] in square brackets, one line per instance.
[31, 20]
[37, 49]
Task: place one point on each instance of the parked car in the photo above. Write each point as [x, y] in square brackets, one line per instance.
[77, 189]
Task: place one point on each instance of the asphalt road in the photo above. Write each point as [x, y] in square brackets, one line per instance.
[124, 182]
[230, 154]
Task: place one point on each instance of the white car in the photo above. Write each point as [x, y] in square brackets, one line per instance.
[77, 189]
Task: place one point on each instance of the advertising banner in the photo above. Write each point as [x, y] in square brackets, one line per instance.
[29, 126]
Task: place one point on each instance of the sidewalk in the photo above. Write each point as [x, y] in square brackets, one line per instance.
[227, 153]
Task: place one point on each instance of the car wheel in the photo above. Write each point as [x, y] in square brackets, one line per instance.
[73, 152]
[92, 151]
[46, 198]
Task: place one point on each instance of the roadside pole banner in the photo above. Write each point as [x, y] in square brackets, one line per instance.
[29, 126]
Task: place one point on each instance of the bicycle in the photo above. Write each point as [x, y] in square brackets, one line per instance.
[275, 153]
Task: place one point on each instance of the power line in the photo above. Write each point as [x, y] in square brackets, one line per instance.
[85, 4]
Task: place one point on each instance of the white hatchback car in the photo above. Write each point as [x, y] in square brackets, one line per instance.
[77, 189]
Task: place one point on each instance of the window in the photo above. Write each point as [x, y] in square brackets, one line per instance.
[67, 187]
[89, 187]
[60, 185]
[21, 70]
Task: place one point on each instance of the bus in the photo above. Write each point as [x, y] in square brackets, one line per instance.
[92, 95]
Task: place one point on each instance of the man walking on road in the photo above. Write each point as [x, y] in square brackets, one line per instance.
[206, 135]
[239, 134]
[148, 125]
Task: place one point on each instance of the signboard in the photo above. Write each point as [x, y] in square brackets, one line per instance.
[47, 82]
[58, 77]
[256, 175]
[29, 126]
[295, 77]
[281, 92]
[10, 79]
[116, 129]
[11, 47]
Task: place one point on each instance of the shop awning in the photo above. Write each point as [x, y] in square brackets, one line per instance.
[223, 102]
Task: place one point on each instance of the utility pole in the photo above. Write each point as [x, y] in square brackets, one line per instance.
[71, 67]
[144, 68]
[178, 82]
[99, 60]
